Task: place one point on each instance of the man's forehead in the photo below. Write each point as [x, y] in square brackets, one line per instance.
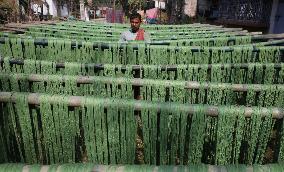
[135, 20]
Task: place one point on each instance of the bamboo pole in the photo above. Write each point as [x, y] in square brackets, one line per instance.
[153, 33]
[153, 168]
[44, 42]
[269, 36]
[270, 43]
[142, 67]
[77, 101]
[166, 30]
[195, 25]
[255, 36]
[142, 82]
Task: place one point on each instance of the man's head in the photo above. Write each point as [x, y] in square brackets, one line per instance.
[135, 21]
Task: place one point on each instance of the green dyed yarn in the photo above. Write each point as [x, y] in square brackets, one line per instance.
[269, 74]
[117, 130]
[71, 86]
[197, 135]
[268, 97]
[269, 54]
[68, 125]
[281, 74]
[47, 128]
[243, 40]
[129, 73]
[200, 57]
[15, 130]
[30, 66]
[123, 138]
[258, 73]
[181, 72]
[81, 53]
[100, 134]
[150, 72]
[174, 126]
[210, 137]
[158, 92]
[72, 68]
[47, 67]
[226, 121]
[131, 130]
[164, 75]
[16, 47]
[215, 56]
[215, 95]
[107, 56]
[5, 49]
[22, 110]
[29, 49]
[281, 147]
[216, 74]
[149, 128]
[177, 93]
[238, 75]
[251, 75]
[250, 97]
[4, 133]
[263, 136]
[240, 122]
[59, 128]
[91, 119]
[164, 120]
[181, 137]
[113, 134]
[181, 57]
[5, 83]
[200, 74]
[242, 55]
[253, 131]
[109, 70]
[122, 50]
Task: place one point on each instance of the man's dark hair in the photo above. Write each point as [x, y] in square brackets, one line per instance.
[135, 15]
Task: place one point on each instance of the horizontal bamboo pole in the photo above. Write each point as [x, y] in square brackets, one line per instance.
[269, 36]
[77, 101]
[112, 31]
[144, 26]
[166, 40]
[142, 82]
[163, 67]
[145, 168]
[254, 36]
[154, 34]
[270, 43]
[44, 42]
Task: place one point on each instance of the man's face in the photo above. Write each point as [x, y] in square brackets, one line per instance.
[135, 24]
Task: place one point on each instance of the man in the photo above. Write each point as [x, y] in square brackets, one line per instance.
[135, 33]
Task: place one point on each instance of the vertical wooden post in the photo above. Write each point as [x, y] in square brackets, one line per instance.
[272, 16]
[113, 12]
[82, 10]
